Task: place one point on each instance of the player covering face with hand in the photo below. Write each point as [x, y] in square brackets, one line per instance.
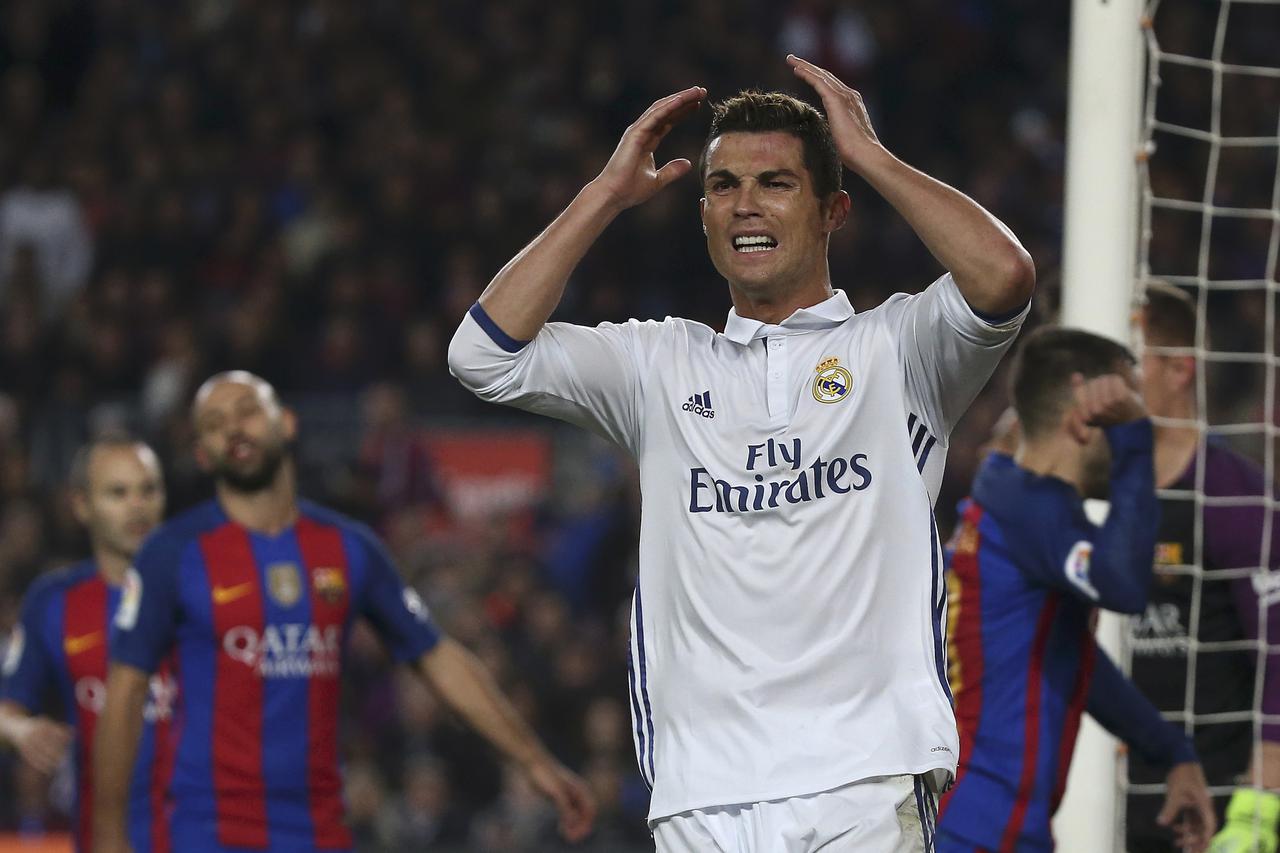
[256, 592]
[787, 671]
[1027, 571]
[61, 643]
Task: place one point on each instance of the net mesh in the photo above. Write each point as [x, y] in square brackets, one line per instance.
[1210, 224]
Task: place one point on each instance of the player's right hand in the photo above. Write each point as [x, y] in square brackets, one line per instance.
[574, 802]
[1102, 401]
[632, 176]
[43, 743]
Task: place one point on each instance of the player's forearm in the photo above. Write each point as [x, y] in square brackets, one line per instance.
[468, 689]
[1120, 708]
[523, 295]
[115, 747]
[993, 271]
[1126, 544]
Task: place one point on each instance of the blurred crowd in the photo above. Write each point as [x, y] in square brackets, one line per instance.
[317, 190]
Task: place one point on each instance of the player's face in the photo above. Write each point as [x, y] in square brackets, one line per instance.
[766, 227]
[124, 498]
[242, 434]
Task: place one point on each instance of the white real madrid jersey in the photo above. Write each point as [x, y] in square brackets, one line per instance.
[786, 633]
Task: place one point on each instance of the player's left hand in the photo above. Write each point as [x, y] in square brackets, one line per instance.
[1188, 808]
[572, 798]
[856, 139]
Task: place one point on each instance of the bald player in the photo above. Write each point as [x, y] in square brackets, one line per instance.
[257, 591]
[60, 644]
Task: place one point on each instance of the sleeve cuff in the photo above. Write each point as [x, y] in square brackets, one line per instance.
[1130, 437]
[1183, 750]
[499, 337]
[1000, 319]
[992, 328]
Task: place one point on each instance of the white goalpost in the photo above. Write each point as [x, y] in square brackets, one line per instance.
[1099, 262]
[1122, 230]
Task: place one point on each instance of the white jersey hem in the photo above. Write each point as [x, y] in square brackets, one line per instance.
[775, 795]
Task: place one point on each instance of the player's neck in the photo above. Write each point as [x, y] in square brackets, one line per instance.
[269, 510]
[773, 308]
[111, 564]
[1057, 457]
[1175, 447]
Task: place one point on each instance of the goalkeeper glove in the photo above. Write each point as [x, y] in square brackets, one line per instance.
[1251, 823]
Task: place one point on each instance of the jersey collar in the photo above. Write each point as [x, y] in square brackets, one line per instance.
[830, 312]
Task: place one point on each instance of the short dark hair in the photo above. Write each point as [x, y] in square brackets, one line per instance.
[1169, 316]
[752, 111]
[1042, 374]
[78, 478]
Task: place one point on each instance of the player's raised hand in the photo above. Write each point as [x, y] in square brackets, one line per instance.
[856, 139]
[1188, 808]
[43, 743]
[572, 798]
[632, 175]
[1101, 402]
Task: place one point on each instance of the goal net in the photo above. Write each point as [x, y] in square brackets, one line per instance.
[1210, 225]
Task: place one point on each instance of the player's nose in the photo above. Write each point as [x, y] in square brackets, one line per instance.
[745, 199]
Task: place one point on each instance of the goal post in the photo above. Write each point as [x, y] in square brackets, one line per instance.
[1104, 110]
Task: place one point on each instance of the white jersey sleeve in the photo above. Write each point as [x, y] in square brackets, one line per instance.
[946, 350]
[587, 376]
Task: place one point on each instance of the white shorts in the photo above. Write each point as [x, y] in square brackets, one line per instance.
[885, 814]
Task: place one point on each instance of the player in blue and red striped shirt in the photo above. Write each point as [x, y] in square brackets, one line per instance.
[1027, 572]
[60, 644]
[257, 592]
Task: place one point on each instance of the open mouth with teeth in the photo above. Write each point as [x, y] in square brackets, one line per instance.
[754, 243]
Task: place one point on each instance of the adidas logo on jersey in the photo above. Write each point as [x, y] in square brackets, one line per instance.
[700, 404]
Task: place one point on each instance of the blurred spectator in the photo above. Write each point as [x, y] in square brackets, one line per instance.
[46, 252]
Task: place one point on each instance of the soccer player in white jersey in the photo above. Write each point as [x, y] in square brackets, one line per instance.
[787, 676]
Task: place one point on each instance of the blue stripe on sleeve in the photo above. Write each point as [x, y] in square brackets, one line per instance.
[924, 455]
[999, 319]
[495, 333]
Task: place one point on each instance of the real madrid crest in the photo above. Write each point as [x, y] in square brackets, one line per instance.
[284, 582]
[833, 383]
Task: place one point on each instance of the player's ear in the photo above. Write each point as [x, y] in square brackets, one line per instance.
[289, 420]
[836, 211]
[80, 506]
[202, 457]
[702, 213]
[1182, 370]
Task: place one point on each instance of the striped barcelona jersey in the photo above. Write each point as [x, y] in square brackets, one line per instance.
[1027, 572]
[259, 623]
[1019, 686]
[61, 643]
